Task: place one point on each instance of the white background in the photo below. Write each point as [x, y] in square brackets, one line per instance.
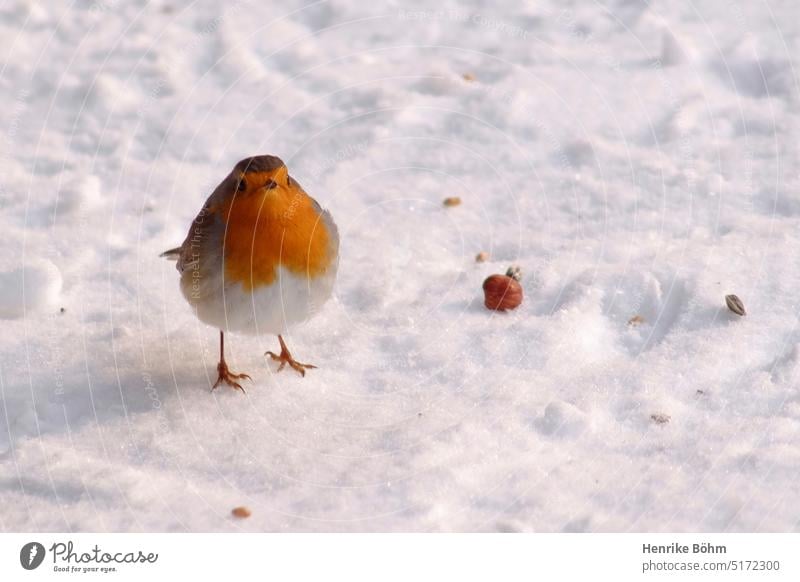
[405, 557]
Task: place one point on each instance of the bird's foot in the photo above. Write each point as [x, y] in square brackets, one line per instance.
[286, 358]
[228, 377]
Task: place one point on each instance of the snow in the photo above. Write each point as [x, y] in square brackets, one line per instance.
[633, 158]
[32, 287]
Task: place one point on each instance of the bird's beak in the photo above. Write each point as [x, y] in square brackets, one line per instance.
[270, 185]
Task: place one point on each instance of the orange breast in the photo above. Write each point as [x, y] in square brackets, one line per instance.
[265, 230]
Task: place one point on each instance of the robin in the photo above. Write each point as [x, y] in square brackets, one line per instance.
[260, 256]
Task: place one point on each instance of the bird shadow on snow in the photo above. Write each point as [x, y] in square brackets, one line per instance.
[89, 397]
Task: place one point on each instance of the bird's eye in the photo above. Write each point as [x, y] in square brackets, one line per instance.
[242, 185]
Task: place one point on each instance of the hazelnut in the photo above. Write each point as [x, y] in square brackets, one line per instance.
[452, 201]
[482, 257]
[502, 292]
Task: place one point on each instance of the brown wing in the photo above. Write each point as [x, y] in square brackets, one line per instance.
[195, 240]
[203, 226]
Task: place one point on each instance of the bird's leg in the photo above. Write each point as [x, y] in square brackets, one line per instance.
[286, 358]
[226, 375]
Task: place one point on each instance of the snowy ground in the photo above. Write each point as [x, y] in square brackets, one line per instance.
[633, 160]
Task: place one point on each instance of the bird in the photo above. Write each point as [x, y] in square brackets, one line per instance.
[260, 257]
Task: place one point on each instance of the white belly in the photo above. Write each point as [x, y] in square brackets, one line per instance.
[270, 309]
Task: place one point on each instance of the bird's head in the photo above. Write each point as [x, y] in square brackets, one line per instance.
[260, 174]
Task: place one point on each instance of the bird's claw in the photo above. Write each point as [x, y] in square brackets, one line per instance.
[229, 377]
[286, 358]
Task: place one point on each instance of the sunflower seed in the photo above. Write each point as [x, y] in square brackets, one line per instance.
[735, 304]
[514, 272]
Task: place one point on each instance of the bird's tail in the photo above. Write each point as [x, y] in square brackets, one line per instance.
[171, 254]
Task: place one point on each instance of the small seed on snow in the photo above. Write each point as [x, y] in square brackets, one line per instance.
[482, 257]
[735, 304]
[452, 201]
[241, 512]
[636, 320]
[660, 418]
